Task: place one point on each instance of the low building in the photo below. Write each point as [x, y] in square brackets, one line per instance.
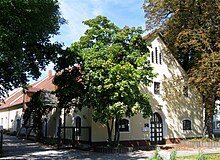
[12, 108]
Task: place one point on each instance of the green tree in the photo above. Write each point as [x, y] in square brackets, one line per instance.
[26, 27]
[205, 76]
[41, 103]
[191, 31]
[189, 27]
[70, 88]
[114, 63]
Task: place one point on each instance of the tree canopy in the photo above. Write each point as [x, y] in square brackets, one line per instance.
[113, 63]
[189, 27]
[26, 27]
[191, 30]
[70, 88]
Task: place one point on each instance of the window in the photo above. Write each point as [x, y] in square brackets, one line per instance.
[187, 125]
[156, 87]
[124, 125]
[160, 58]
[218, 109]
[152, 56]
[78, 125]
[186, 90]
[156, 56]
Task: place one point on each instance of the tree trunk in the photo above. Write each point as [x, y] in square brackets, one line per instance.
[209, 101]
[209, 125]
[115, 141]
[117, 133]
[109, 129]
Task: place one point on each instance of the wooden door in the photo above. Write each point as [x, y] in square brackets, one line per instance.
[156, 129]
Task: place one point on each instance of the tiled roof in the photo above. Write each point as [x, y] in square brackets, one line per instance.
[17, 98]
[151, 36]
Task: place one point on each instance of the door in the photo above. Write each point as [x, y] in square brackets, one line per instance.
[156, 129]
[78, 126]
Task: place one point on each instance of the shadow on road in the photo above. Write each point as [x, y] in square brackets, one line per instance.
[14, 148]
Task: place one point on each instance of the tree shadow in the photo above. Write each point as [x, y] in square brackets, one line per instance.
[172, 104]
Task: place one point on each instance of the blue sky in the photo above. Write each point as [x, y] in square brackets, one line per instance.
[120, 12]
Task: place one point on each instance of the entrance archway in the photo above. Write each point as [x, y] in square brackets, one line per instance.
[156, 129]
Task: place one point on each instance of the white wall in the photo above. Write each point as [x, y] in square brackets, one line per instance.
[9, 119]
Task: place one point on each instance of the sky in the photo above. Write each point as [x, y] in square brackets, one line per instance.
[121, 12]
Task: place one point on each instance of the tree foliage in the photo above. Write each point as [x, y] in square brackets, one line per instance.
[26, 27]
[206, 77]
[191, 30]
[41, 103]
[189, 27]
[113, 62]
[70, 88]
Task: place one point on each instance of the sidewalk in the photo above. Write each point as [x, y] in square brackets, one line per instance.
[188, 152]
[14, 148]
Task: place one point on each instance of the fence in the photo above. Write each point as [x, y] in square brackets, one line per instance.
[73, 136]
[201, 143]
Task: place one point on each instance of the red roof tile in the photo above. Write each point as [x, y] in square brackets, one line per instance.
[18, 97]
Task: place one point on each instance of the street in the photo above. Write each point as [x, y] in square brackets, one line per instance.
[15, 148]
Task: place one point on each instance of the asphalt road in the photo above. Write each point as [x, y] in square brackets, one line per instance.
[14, 148]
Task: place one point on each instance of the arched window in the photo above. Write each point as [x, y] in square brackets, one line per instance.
[187, 125]
[124, 125]
[78, 125]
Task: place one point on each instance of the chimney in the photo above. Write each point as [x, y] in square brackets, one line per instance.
[50, 74]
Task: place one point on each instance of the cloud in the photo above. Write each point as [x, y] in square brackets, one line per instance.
[74, 13]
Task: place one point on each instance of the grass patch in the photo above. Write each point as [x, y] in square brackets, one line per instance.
[200, 157]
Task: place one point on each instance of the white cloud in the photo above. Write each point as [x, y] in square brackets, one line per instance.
[74, 13]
